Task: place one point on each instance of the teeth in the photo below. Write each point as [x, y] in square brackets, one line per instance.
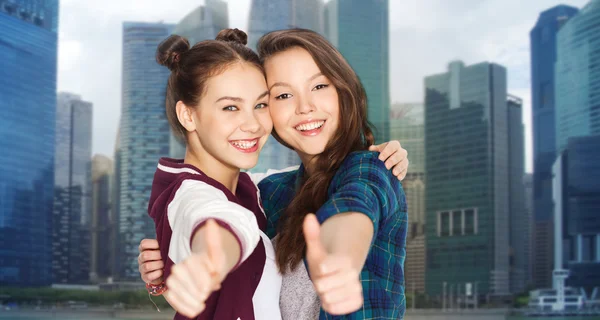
[310, 126]
[244, 144]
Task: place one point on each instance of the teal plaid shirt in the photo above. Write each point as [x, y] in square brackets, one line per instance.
[362, 184]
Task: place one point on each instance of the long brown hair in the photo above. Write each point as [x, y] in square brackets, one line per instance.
[353, 134]
[192, 67]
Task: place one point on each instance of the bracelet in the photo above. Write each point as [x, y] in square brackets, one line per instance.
[156, 289]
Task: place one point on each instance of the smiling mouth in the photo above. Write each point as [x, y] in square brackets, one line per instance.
[310, 126]
[246, 146]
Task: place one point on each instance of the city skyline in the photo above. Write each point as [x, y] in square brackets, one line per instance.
[83, 55]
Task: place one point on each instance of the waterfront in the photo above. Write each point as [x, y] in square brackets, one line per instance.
[150, 315]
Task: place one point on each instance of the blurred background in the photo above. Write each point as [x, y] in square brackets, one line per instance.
[496, 101]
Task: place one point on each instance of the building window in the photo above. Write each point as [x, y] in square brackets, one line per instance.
[457, 222]
[444, 224]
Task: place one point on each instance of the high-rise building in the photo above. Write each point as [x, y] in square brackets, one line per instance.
[543, 57]
[144, 136]
[102, 255]
[577, 74]
[414, 265]
[72, 195]
[28, 55]
[528, 185]
[467, 179]
[116, 207]
[577, 203]
[519, 224]
[204, 23]
[360, 30]
[267, 16]
[407, 124]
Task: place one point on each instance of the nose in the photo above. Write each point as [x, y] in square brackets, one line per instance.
[251, 124]
[305, 106]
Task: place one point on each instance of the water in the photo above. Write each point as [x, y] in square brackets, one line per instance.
[16, 316]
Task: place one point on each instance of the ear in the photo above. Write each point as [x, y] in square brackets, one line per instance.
[185, 115]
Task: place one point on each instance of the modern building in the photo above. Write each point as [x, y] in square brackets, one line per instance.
[543, 57]
[577, 74]
[267, 16]
[577, 203]
[528, 186]
[407, 124]
[519, 224]
[204, 23]
[102, 254]
[467, 179]
[360, 30]
[414, 266]
[28, 55]
[72, 210]
[144, 135]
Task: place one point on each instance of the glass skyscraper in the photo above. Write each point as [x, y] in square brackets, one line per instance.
[143, 136]
[204, 23]
[407, 124]
[577, 73]
[543, 57]
[467, 179]
[360, 30]
[103, 222]
[28, 54]
[519, 223]
[72, 195]
[267, 16]
[577, 197]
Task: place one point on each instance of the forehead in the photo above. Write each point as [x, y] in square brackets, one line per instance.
[295, 62]
[242, 80]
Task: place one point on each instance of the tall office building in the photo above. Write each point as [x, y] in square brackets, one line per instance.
[267, 16]
[543, 57]
[577, 74]
[577, 169]
[519, 224]
[102, 255]
[72, 194]
[204, 23]
[577, 201]
[407, 124]
[360, 30]
[467, 181]
[528, 186]
[28, 54]
[116, 207]
[143, 136]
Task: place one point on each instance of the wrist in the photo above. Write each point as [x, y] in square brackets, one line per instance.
[156, 289]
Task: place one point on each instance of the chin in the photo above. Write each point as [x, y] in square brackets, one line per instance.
[312, 150]
[247, 165]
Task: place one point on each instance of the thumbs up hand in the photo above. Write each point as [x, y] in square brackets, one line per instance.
[335, 278]
[192, 281]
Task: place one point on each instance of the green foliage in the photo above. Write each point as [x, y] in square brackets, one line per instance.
[50, 296]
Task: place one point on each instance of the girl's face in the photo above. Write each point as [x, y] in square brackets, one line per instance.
[303, 104]
[232, 121]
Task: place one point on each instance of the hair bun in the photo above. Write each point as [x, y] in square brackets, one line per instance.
[233, 35]
[169, 51]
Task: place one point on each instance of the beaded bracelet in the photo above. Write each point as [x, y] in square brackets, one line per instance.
[156, 289]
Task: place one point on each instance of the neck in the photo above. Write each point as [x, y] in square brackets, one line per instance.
[226, 175]
[309, 162]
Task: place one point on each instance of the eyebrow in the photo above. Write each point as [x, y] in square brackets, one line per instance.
[285, 84]
[238, 99]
